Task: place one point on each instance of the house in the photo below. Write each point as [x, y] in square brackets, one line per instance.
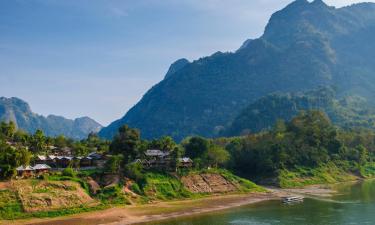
[25, 171]
[86, 161]
[63, 161]
[51, 161]
[41, 168]
[156, 154]
[76, 161]
[156, 159]
[185, 162]
[98, 160]
[41, 159]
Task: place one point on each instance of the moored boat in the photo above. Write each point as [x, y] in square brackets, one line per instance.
[292, 199]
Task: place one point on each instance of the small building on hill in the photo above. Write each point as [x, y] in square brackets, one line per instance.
[185, 162]
[86, 162]
[41, 169]
[25, 171]
[63, 161]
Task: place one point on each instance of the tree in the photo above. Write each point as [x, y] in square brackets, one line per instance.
[196, 147]
[11, 158]
[363, 155]
[80, 149]
[134, 171]
[165, 143]
[38, 142]
[60, 141]
[24, 157]
[113, 165]
[8, 129]
[216, 155]
[126, 143]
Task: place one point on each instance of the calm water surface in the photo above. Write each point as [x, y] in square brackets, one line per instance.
[355, 204]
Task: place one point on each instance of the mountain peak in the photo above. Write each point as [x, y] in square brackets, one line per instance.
[19, 111]
[176, 66]
[319, 3]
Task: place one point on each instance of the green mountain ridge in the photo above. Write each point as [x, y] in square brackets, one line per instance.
[347, 112]
[304, 46]
[18, 111]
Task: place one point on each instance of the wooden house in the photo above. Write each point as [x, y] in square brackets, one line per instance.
[25, 171]
[97, 159]
[185, 162]
[63, 161]
[86, 161]
[41, 169]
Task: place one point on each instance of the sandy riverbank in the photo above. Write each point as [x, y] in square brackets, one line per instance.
[166, 210]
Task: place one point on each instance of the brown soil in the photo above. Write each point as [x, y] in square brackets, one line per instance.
[208, 183]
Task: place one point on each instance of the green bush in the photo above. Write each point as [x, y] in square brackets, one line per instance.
[164, 187]
[69, 172]
[134, 171]
[136, 189]
[113, 195]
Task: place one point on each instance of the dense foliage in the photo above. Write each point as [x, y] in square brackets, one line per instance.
[348, 111]
[19, 148]
[308, 140]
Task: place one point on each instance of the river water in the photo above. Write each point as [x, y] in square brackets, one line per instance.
[354, 204]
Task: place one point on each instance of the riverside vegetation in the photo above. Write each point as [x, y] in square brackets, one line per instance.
[306, 150]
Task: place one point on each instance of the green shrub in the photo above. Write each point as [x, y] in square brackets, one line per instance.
[164, 187]
[113, 195]
[136, 189]
[134, 171]
[69, 172]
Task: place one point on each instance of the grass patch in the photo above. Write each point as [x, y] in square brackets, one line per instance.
[164, 187]
[303, 176]
[10, 205]
[113, 195]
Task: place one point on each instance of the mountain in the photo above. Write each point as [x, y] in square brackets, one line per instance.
[18, 111]
[305, 45]
[348, 111]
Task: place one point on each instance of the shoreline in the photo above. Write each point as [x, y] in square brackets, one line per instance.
[139, 214]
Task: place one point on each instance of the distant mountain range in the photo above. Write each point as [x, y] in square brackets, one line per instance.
[306, 45]
[18, 111]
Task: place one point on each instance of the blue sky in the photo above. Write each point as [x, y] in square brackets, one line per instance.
[98, 57]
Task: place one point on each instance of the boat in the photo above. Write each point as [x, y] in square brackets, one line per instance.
[292, 199]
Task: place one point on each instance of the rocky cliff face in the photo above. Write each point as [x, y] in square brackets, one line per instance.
[304, 46]
[208, 183]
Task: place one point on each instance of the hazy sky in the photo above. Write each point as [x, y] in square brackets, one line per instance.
[98, 57]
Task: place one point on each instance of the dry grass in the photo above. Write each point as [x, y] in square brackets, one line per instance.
[39, 196]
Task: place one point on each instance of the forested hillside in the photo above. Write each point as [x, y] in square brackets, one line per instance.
[347, 111]
[304, 46]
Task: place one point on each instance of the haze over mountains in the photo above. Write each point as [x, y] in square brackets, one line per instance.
[304, 46]
[18, 111]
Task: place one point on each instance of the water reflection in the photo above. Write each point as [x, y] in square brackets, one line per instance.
[355, 204]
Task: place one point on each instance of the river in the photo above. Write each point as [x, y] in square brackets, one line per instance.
[353, 204]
